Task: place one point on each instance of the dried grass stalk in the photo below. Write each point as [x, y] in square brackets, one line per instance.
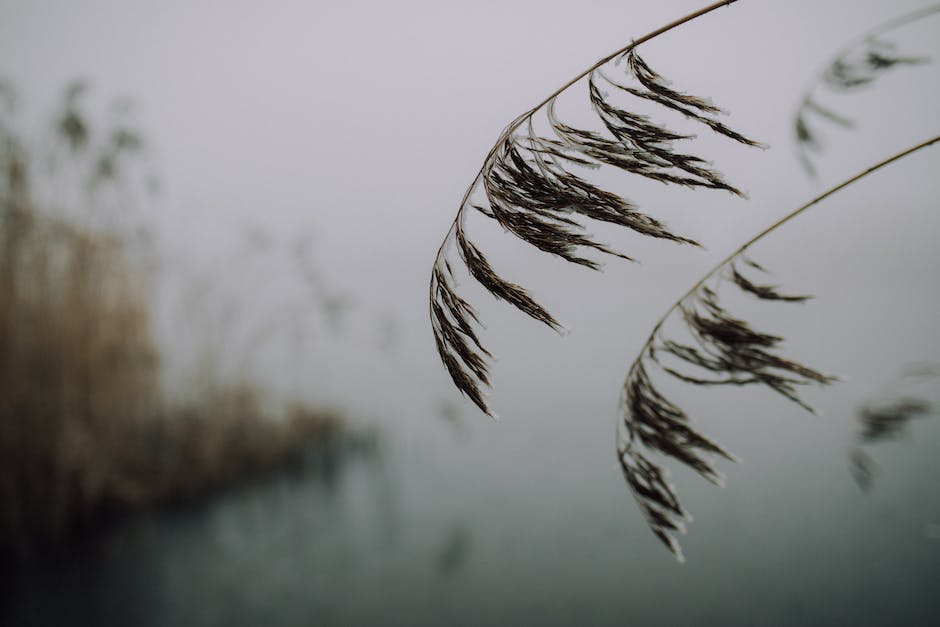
[724, 350]
[532, 185]
[857, 65]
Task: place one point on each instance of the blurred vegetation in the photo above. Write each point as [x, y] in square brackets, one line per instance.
[84, 431]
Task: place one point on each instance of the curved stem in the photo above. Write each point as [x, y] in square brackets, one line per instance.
[773, 227]
[884, 27]
[888, 26]
[633, 44]
[457, 223]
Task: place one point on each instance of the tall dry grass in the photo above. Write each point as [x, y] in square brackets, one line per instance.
[84, 433]
[535, 183]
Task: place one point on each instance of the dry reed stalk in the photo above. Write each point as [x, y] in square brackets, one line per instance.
[858, 64]
[83, 431]
[729, 352]
[531, 185]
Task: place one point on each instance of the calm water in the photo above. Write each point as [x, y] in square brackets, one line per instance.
[425, 531]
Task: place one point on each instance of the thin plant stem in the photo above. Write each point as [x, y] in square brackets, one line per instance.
[654, 495]
[458, 219]
[806, 96]
[832, 190]
[886, 27]
[890, 25]
[456, 229]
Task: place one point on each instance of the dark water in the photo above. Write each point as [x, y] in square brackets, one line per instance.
[425, 531]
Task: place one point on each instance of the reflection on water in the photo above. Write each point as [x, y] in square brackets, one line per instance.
[262, 554]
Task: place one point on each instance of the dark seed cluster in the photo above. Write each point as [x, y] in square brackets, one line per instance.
[723, 350]
[533, 187]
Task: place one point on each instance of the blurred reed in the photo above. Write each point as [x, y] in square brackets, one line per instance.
[84, 431]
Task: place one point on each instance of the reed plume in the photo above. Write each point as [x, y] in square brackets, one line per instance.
[532, 184]
[85, 434]
[859, 64]
[724, 351]
[887, 419]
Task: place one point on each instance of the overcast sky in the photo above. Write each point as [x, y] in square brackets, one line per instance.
[365, 121]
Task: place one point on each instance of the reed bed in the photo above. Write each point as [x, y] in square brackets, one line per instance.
[85, 432]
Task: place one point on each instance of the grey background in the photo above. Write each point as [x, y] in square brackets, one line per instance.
[363, 123]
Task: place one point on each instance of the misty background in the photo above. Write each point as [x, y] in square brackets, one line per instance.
[299, 139]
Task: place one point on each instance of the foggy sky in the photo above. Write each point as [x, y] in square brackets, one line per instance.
[364, 122]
